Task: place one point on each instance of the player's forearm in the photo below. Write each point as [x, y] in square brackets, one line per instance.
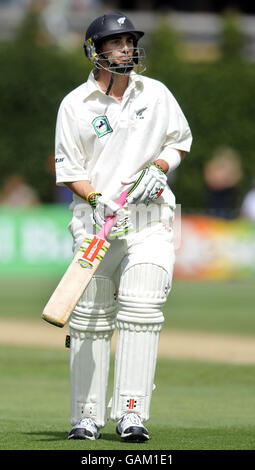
[80, 188]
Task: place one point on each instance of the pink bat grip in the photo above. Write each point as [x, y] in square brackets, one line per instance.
[110, 220]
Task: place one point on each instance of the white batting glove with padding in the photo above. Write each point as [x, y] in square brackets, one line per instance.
[149, 184]
[106, 208]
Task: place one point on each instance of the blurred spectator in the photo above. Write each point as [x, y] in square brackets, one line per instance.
[16, 192]
[222, 174]
[57, 19]
[55, 16]
[248, 204]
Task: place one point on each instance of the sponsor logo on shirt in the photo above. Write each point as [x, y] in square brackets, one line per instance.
[101, 126]
[59, 162]
[59, 159]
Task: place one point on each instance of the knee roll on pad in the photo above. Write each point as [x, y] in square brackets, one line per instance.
[142, 294]
[97, 307]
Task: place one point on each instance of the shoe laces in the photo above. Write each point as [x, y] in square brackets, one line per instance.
[87, 423]
[131, 419]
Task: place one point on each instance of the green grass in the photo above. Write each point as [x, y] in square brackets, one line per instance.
[25, 298]
[195, 405]
[215, 306]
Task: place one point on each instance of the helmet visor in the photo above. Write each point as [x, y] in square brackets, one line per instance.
[121, 62]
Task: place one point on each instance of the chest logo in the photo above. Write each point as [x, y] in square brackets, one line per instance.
[139, 113]
[101, 126]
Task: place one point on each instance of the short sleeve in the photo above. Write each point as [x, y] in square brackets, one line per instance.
[178, 131]
[70, 161]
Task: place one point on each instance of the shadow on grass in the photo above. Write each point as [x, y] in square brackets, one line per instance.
[49, 436]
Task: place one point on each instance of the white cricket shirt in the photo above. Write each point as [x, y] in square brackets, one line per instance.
[106, 141]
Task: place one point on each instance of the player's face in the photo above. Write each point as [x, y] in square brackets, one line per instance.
[119, 49]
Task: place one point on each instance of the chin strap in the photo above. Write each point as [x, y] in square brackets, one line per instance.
[110, 84]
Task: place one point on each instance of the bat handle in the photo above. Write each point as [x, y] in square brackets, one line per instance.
[110, 220]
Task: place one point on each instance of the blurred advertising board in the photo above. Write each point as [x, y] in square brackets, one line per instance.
[213, 248]
[35, 242]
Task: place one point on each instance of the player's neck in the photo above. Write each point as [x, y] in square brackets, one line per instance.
[120, 84]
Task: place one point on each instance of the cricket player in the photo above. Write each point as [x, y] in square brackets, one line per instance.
[119, 130]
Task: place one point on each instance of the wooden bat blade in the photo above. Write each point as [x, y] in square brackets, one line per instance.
[79, 273]
[75, 280]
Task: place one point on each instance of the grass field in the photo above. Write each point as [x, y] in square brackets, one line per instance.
[196, 405]
[216, 306]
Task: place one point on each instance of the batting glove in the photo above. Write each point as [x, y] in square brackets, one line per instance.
[149, 184]
[105, 208]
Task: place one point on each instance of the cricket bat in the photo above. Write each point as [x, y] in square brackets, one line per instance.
[79, 273]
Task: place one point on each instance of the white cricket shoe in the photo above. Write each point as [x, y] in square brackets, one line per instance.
[130, 428]
[86, 428]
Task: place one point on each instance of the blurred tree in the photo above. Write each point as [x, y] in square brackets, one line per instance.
[231, 38]
[217, 99]
[35, 77]
[162, 55]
